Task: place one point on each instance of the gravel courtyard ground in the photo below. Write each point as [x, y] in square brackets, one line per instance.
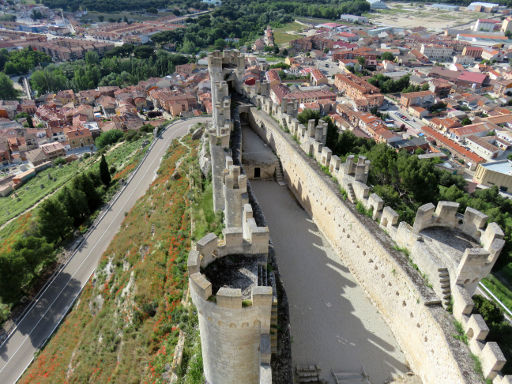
[333, 324]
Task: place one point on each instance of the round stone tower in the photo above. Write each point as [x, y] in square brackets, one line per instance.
[234, 322]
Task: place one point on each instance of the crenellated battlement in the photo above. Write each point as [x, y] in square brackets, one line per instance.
[453, 251]
[234, 312]
[225, 297]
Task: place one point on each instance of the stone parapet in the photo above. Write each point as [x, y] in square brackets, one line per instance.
[233, 331]
[429, 352]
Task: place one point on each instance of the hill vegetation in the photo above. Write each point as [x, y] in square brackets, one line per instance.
[241, 22]
[122, 66]
[121, 5]
[30, 244]
[132, 312]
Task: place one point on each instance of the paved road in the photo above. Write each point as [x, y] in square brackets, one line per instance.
[17, 352]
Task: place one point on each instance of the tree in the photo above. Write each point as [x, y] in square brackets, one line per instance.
[87, 182]
[361, 60]
[13, 271]
[466, 121]
[7, 91]
[143, 51]
[36, 15]
[307, 115]
[75, 204]
[35, 251]
[490, 311]
[92, 58]
[109, 137]
[54, 230]
[387, 56]
[219, 44]
[48, 80]
[104, 172]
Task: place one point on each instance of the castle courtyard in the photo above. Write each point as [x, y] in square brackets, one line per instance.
[333, 324]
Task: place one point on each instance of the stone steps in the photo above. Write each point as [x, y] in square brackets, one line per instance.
[273, 327]
[351, 194]
[444, 283]
[307, 374]
[280, 174]
[350, 377]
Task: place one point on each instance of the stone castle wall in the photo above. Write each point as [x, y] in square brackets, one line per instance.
[413, 311]
[235, 333]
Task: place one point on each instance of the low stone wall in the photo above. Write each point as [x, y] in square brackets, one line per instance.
[413, 311]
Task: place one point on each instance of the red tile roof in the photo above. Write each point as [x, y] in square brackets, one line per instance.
[453, 145]
[472, 77]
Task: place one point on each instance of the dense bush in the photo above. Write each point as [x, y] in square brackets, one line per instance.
[7, 91]
[18, 62]
[109, 137]
[120, 5]
[117, 67]
[500, 330]
[245, 20]
[388, 85]
[57, 217]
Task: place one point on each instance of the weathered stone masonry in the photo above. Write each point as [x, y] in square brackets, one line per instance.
[423, 328]
[235, 333]
[234, 325]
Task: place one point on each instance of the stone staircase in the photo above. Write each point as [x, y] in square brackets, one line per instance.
[279, 174]
[351, 194]
[265, 280]
[444, 282]
[350, 377]
[309, 373]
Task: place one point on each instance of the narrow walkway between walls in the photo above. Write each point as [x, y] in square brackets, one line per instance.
[333, 324]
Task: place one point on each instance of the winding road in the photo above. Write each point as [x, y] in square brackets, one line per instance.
[47, 312]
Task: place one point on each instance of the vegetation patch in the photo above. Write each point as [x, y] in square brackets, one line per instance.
[282, 35]
[461, 335]
[126, 324]
[31, 243]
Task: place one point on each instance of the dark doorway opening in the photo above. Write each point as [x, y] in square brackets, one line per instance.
[257, 173]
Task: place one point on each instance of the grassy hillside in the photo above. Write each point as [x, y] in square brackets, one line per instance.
[51, 179]
[126, 324]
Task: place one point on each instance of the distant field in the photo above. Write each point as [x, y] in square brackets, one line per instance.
[410, 15]
[314, 20]
[37, 188]
[281, 35]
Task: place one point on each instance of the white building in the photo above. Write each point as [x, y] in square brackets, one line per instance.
[436, 52]
[486, 25]
[354, 19]
[504, 135]
[463, 60]
[482, 147]
[483, 7]
[492, 54]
